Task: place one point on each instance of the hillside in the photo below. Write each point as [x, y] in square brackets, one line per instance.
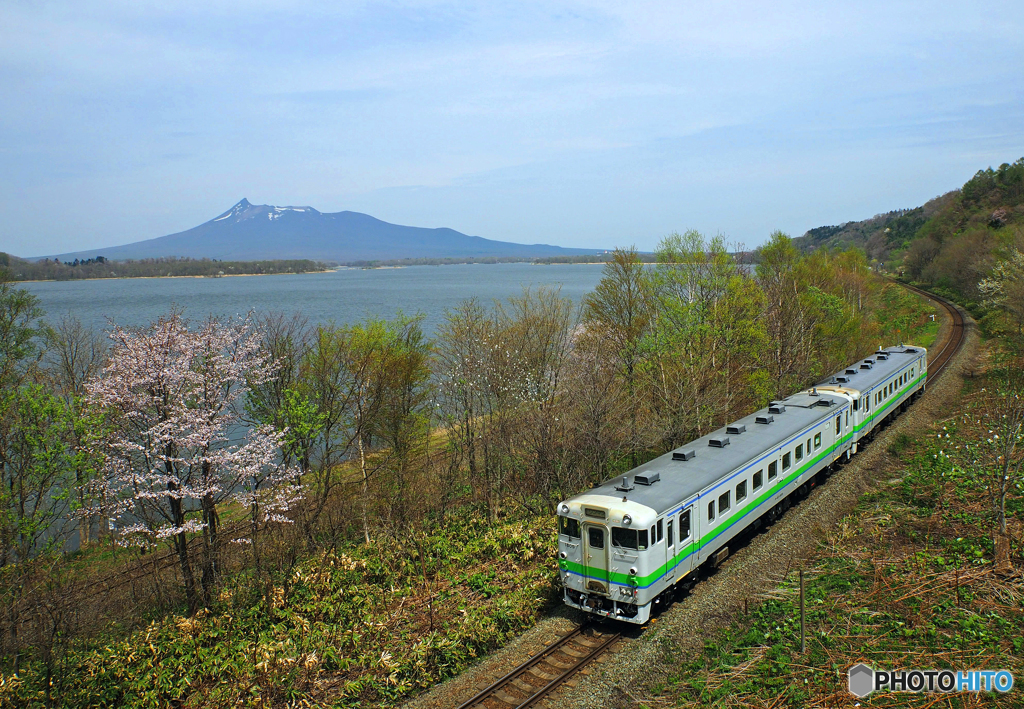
[951, 241]
[249, 232]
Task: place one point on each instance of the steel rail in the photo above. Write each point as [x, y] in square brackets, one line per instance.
[550, 680]
[939, 360]
[954, 341]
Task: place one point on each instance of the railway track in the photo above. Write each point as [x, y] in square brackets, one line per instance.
[546, 671]
[938, 361]
[552, 667]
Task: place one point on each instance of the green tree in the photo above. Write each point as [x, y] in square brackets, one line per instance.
[619, 310]
[705, 335]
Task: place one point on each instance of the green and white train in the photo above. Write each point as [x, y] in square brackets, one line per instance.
[624, 545]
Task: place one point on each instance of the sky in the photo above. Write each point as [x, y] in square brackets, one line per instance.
[587, 124]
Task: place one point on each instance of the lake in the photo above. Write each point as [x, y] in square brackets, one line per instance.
[342, 296]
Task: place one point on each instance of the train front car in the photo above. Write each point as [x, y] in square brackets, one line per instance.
[603, 543]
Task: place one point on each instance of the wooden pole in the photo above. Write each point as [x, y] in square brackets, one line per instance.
[803, 627]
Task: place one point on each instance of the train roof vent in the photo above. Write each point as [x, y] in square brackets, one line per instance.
[764, 419]
[869, 361]
[736, 429]
[842, 380]
[777, 409]
[624, 485]
[647, 478]
[851, 371]
[720, 442]
[910, 350]
[882, 355]
[683, 455]
[867, 365]
[825, 402]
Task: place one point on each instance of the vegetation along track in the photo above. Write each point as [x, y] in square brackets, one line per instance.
[953, 342]
[547, 670]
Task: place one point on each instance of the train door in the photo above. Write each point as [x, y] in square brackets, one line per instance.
[670, 549]
[686, 533]
[595, 557]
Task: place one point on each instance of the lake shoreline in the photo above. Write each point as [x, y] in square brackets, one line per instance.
[149, 278]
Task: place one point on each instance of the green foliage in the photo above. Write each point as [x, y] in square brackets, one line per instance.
[346, 627]
[900, 314]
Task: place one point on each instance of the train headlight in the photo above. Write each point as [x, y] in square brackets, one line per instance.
[626, 519]
[562, 555]
[565, 509]
[632, 571]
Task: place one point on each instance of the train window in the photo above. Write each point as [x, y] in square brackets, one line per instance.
[723, 501]
[786, 462]
[642, 539]
[808, 446]
[684, 526]
[661, 531]
[855, 402]
[817, 441]
[668, 534]
[758, 479]
[595, 535]
[569, 527]
[838, 422]
[847, 418]
[773, 470]
[741, 491]
[867, 403]
[654, 535]
[625, 538]
[799, 453]
[711, 511]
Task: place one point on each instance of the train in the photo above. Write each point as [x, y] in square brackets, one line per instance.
[627, 544]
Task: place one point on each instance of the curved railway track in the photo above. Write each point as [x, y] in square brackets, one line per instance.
[552, 667]
[938, 361]
[547, 670]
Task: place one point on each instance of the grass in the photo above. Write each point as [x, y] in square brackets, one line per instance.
[926, 334]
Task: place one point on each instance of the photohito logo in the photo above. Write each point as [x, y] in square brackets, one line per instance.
[863, 680]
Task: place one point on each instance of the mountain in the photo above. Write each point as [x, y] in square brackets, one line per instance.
[249, 232]
[950, 242]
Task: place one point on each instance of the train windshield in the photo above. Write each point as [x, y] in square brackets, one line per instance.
[629, 538]
[569, 527]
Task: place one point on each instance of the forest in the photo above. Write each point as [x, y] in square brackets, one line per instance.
[100, 267]
[262, 512]
[950, 244]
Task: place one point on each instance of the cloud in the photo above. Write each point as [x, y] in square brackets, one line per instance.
[529, 121]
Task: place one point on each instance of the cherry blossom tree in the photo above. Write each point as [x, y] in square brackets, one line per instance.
[174, 447]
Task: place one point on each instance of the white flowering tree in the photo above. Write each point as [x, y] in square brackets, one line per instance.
[1004, 288]
[174, 448]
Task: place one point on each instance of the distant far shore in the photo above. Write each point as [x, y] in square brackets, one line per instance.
[100, 268]
[142, 278]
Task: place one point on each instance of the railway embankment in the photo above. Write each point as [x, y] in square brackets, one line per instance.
[900, 569]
